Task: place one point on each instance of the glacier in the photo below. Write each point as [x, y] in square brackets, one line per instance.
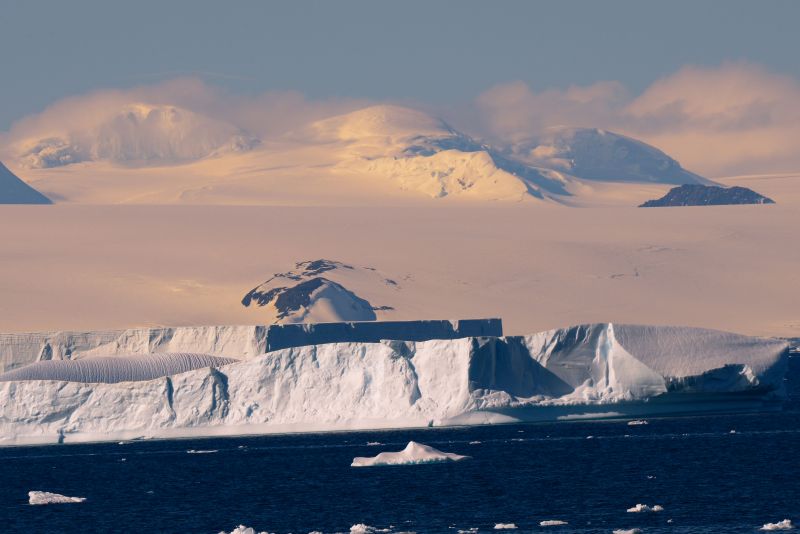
[588, 371]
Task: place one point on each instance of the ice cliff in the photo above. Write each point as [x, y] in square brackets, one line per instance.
[599, 370]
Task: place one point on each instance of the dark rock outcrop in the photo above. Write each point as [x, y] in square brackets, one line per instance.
[707, 195]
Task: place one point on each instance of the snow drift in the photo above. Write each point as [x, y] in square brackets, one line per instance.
[113, 369]
[598, 370]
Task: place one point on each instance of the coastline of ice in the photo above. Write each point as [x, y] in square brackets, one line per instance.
[46, 497]
[414, 453]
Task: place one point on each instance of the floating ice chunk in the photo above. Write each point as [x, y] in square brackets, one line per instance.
[505, 526]
[552, 523]
[361, 528]
[637, 422]
[645, 508]
[202, 451]
[414, 453]
[474, 442]
[373, 443]
[241, 529]
[45, 497]
[786, 524]
[627, 531]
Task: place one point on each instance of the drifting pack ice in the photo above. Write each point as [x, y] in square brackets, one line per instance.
[231, 383]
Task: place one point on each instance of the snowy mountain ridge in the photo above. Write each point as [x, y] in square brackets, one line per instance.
[382, 151]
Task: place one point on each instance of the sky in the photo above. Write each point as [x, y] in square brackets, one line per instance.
[466, 60]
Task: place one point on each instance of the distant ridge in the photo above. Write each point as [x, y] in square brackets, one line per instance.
[15, 191]
[703, 195]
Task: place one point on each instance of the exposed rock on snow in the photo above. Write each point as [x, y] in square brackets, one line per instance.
[15, 191]
[707, 195]
[305, 295]
[414, 453]
[600, 370]
[113, 369]
[45, 497]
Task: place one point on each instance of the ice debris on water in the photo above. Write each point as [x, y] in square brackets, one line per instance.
[645, 508]
[46, 497]
[361, 528]
[505, 526]
[638, 422]
[241, 529]
[786, 524]
[627, 531]
[552, 523]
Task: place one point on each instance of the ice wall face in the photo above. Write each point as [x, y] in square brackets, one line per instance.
[239, 342]
[596, 370]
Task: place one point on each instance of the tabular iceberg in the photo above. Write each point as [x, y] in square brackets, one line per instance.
[414, 453]
[598, 370]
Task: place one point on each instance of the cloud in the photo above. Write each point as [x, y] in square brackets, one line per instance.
[733, 119]
[176, 121]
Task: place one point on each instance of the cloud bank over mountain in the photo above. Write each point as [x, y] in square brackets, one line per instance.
[737, 118]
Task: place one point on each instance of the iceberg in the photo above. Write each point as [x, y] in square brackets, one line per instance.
[414, 453]
[786, 524]
[599, 370]
[639, 508]
[505, 526]
[45, 497]
[552, 523]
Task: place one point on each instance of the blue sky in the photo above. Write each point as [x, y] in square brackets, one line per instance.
[436, 52]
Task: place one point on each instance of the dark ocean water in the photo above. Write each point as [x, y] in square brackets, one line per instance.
[708, 479]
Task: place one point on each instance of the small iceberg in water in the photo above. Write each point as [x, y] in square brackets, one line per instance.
[45, 497]
[637, 422]
[552, 523]
[786, 524]
[639, 508]
[505, 526]
[202, 451]
[414, 453]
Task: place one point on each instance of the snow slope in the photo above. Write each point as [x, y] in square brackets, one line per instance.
[15, 191]
[592, 370]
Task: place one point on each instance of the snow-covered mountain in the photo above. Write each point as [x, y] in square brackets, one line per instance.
[136, 134]
[383, 153]
[597, 370]
[318, 291]
[15, 191]
[600, 155]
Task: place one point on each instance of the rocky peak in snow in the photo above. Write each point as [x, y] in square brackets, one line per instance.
[702, 195]
[304, 295]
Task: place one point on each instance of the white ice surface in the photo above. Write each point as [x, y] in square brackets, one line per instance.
[552, 523]
[639, 508]
[46, 497]
[505, 526]
[414, 453]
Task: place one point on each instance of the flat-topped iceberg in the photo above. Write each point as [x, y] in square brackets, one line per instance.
[589, 371]
[414, 453]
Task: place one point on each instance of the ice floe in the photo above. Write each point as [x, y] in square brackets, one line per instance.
[552, 523]
[46, 497]
[505, 526]
[639, 508]
[414, 453]
[786, 524]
